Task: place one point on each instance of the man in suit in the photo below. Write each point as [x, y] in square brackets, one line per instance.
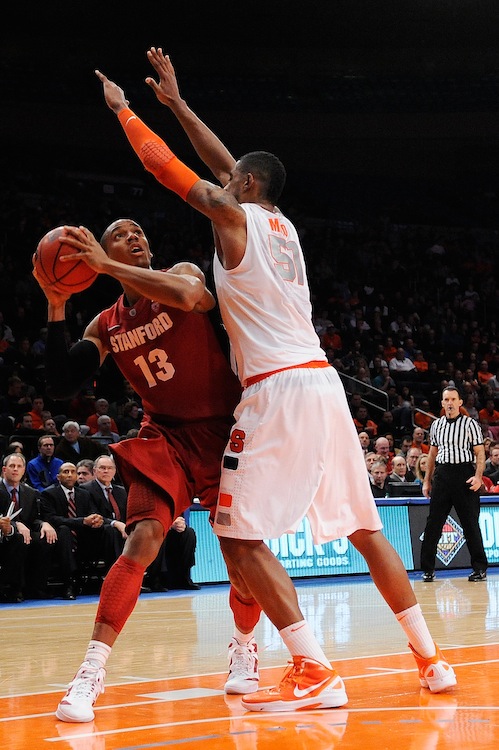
[31, 572]
[73, 446]
[71, 511]
[399, 470]
[171, 568]
[12, 550]
[110, 500]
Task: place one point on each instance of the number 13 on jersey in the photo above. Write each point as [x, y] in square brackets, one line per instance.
[156, 367]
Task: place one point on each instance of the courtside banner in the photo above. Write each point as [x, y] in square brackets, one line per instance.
[452, 550]
[489, 525]
[297, 552]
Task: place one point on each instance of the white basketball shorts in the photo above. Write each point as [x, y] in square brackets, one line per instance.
[294, 452]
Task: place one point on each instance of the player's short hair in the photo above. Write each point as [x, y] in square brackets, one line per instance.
[268, 169]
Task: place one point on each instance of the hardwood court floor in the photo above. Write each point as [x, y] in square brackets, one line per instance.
[164, 686]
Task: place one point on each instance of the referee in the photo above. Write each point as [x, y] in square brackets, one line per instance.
[454, 478]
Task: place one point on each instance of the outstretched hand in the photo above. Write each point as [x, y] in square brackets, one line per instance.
[166, 89]
[113, 94]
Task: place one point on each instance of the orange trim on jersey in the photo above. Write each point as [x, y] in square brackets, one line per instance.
[225, 500]
[307, 365]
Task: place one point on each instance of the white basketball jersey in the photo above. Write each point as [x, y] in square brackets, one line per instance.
[265, 301]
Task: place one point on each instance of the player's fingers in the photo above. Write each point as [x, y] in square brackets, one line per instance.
[72, 256]
[152, 83]
[156, 59]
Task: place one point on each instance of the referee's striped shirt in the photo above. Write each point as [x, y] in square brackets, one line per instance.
[455, 439]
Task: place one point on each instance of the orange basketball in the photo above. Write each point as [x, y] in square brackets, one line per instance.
[68, 276]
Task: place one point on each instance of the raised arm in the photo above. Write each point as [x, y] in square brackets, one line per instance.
[186, 291]
[66, 369]
[207, 145]
[216, 203]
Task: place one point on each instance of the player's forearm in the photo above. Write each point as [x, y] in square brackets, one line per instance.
[207, 145]
[67, 370]
[185, 292]
[155, 155]
[56, 313]
[211, 200]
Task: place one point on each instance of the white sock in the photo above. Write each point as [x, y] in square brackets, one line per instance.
[97, 653]
[416, 630]
[301, 641]
[243, 638]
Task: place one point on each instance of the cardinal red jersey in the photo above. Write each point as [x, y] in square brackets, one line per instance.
[172, 359]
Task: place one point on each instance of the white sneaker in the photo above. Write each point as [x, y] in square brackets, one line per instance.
[243, 668]
[82, 692]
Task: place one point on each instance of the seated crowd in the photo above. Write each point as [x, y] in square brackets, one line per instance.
[401, 310]
[396, 468]
[64, 520]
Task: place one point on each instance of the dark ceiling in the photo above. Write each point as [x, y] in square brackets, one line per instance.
[394, 89]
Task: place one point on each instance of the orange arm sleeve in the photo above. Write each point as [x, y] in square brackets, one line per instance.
[156, 156]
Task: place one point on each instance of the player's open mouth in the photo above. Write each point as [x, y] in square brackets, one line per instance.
[136, 250]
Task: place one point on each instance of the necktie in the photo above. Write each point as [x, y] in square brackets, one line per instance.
[71, 504]
[114, 504]
[72, 514]
[14, 499]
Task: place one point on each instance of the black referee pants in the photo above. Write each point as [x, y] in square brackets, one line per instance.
[449, 489]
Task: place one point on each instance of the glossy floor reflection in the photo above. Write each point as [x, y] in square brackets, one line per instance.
[166, 674]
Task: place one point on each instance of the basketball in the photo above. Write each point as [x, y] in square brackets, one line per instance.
[66, 277]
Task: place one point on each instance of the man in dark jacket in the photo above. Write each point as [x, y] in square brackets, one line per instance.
[110, 500]
[30, 573]
[71, 511]
[73, 446]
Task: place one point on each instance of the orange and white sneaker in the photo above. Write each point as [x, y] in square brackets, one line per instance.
[306, 684]
[434, 673]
